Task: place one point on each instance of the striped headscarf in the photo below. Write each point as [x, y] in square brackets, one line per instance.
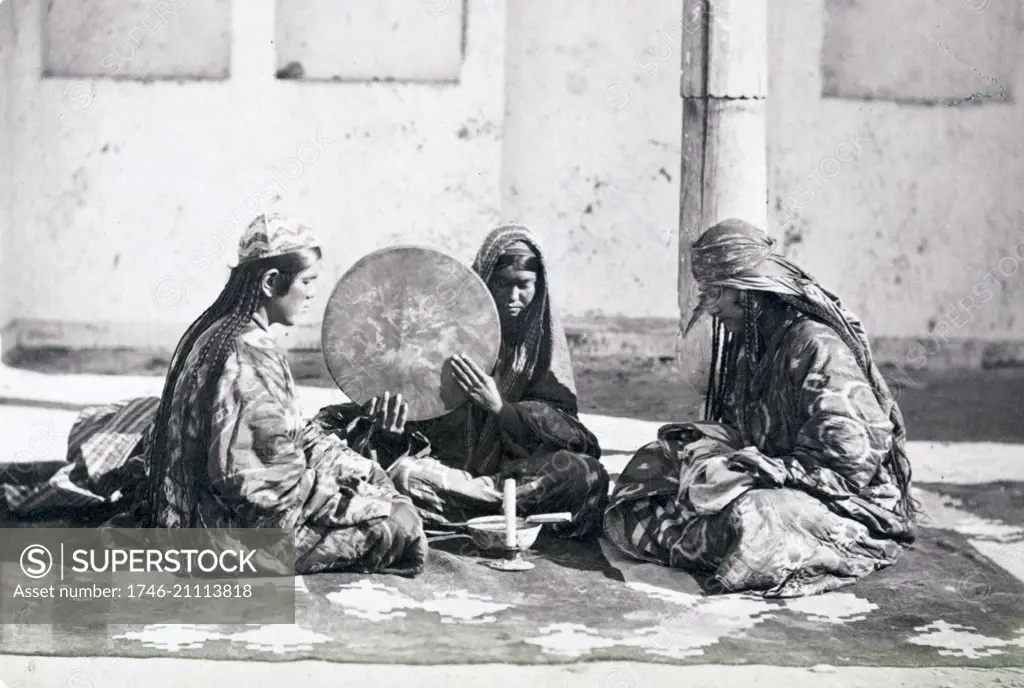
[737, 254]
[274, 234]
[540, 345]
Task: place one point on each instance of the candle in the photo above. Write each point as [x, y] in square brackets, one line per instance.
[510, 513]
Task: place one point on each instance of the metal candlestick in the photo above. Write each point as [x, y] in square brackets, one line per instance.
[513, 560]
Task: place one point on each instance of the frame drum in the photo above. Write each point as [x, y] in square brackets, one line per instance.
[395, 319]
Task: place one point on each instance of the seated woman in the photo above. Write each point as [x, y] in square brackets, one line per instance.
[520, 423]
[799, 483]
[227, 448]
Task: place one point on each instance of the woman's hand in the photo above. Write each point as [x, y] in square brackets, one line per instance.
[480, 387]
[389, 414]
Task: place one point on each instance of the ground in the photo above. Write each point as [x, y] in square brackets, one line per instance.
[943, 406]
[967, 431]
[128, 673]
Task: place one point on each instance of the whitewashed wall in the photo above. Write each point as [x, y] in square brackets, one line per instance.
[7, 38]
[592, 147]
[912, 212]
[566, 117]
[131, 198]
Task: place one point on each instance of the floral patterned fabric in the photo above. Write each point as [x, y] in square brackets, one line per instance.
[266, 469]
[261, 467]
[787, 496]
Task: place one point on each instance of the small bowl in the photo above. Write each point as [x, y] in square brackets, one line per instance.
[488, 532]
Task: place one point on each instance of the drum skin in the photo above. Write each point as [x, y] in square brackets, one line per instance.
[395, 319]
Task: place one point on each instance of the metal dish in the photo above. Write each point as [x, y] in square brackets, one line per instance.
[488, 533]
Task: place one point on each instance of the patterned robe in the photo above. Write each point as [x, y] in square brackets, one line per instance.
[552, 455]
[788, 496]
[260, 467]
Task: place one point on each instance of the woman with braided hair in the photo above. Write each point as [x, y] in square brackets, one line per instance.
[225, 445]
[798, 481]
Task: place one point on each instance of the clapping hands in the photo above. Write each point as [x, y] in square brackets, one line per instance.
[480, 387]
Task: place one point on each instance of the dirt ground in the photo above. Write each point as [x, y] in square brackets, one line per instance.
[163, 673]
[954, 406]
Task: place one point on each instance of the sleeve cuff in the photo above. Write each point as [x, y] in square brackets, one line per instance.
[510, 420]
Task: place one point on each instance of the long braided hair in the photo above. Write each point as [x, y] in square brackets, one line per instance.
[172, 485]
[727, 348]
[725, 374]
[722, 378]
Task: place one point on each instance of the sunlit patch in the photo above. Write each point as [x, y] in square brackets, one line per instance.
[279, 638]
[960, 641]
[374, 602]
[172, 638]
[1009, 556]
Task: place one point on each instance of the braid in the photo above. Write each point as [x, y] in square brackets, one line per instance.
[751, 336]
[710, 394]
[724, 357]
[216, 350]
[727, 377]
[233, 323]
[159, 458]
[169, 500]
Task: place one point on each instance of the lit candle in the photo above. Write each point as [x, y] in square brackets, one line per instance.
[510, 512]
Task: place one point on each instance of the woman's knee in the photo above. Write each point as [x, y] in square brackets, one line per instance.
[569, 463]
[586, 472]
[405, 519]
[768, 508]
[578, 475]
[409, 541]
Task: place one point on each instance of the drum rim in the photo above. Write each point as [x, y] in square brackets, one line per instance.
[493, 307]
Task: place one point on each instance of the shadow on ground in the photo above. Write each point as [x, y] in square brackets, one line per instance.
[1001, 501]
[946, 406]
